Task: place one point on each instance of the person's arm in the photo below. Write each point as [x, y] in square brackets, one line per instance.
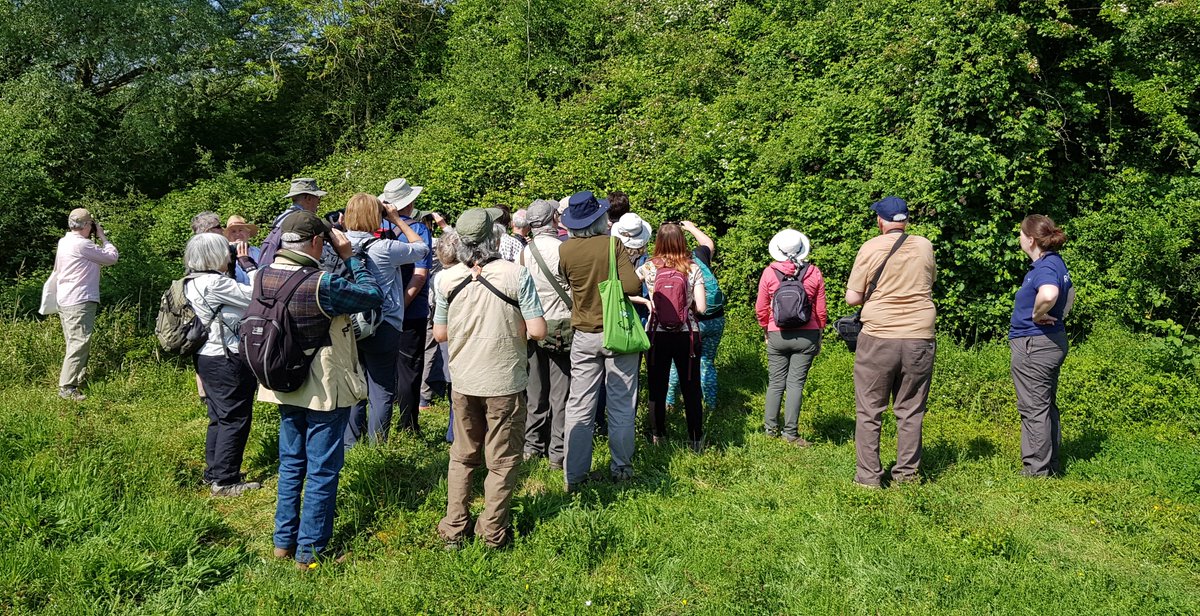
[244, 258]
[402, 253]
[762, 304]
[821, 310]
[105, 254]
[701, 237]
[394, 217]
[1047, 296]
[337, 295]
[440, 307]
[229, 292]
[531, 306]
[856, 283]
[699, 293]
[420, 273]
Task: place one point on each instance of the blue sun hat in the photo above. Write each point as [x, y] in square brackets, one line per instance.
[583, 208]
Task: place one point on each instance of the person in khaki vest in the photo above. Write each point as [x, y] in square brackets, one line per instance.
[486, 309]
[894, 360]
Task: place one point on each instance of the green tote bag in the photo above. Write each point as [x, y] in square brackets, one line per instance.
[623, 332]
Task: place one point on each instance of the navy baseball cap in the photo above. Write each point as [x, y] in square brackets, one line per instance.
[891, 209]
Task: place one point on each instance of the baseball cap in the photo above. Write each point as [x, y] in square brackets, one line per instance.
[891, 209]
[303, 225]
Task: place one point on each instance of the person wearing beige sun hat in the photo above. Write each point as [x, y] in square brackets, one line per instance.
[238, 231]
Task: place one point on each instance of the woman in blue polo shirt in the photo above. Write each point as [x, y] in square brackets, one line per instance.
[1038, 341]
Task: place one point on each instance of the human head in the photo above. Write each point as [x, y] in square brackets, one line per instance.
[447, 249]
[238, 230]
[304, 232]
[207, 222]
[363, 213]
[206, 252]
[671, 247]
[890, 213]
[618, 205]
[583, 210]
[520, 222]
[542, 218]
[1041, 231]
[506, 215]
[789, 245]
[480, 242]
[400, 193]
[305, 193]
[79, 219]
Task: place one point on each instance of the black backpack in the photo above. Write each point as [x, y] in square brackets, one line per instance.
[270, 341]
[791, 306]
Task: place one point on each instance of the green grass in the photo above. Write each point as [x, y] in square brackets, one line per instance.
[101, 508]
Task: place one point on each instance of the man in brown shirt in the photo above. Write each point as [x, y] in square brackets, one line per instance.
[584, 263]
[896, 348]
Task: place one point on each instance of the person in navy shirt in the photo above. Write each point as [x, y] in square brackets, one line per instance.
[1038, 340]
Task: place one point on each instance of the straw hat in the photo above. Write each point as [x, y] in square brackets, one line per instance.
[237, 223]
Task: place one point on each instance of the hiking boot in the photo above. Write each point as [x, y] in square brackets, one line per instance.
[235, 489]
[71, 393]
[556, 466]
[867, 486]
[622, 475]
[798, 441]
[771, 433]
[282, 553]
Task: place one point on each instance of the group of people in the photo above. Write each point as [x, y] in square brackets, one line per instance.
[520, 320]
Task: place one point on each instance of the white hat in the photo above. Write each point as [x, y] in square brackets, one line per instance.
[789, 245]
[400, 193]
[632, 231]
[562, 204]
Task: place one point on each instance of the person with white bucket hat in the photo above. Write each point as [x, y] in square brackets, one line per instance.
[785, 286]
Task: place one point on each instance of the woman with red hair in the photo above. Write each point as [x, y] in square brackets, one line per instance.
[677, 294]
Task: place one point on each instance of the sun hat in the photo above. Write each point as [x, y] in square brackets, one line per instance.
[891, 209]
[400, 193]
[562, 205]
[79, 216]
[632, 231]
[789, 245]
[303, 225]
[237, 223]
[476, 225]
[541, 213]
[583, 209]
[304, 186]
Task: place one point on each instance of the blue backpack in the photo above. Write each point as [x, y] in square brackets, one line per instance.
[714, 297]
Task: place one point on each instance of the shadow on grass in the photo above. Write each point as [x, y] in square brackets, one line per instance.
[836, 429]
[1081, 447]
[941, 456]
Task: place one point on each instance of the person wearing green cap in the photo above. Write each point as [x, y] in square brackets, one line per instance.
[486, 309]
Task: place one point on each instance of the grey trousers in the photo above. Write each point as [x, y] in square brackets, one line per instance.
[549, 386]
[593, 367]
[897, 370]
[1036, 363]
[78, 321]
[789, 356]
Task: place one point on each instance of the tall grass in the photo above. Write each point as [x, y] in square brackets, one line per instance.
[102, 509]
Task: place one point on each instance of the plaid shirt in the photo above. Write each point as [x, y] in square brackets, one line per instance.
[335, 294]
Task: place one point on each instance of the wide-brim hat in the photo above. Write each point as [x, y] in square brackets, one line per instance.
[632, 231]
[237, 223]
[789, 245]
[583, 209]
[400, 193]
[304, 186]
[477, 225]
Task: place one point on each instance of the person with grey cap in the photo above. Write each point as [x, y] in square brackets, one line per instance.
[584, 263]
[306, 196]
[401, 195]
[313, 418]
[892, 279]
[549, 359]
[485, 309]
[77, 264]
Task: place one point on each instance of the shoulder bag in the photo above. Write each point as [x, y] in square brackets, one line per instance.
[558, 331]
[623, 331]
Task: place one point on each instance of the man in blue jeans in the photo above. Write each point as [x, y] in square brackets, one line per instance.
[313, 419]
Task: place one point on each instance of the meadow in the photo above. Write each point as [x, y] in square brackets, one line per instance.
[102, 509]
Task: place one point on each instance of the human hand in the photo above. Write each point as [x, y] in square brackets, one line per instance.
[243, 249]
[390, 212]
[98, 230]
[688, 226]
[1045, 319]
[438, 219]
[341, 244]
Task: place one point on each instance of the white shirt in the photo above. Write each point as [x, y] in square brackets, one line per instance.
[77, 265]
[208, 293]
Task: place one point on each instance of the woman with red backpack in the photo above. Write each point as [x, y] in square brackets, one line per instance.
[791, 306]
[677, 294]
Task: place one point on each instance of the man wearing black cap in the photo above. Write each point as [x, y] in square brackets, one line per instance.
[584, 261]
[313, 418]
[892, 279]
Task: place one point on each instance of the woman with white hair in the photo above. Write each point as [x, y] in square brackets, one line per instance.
[791, 307]
[220, 302]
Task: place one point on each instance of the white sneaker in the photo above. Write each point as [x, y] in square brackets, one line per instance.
[235, 489]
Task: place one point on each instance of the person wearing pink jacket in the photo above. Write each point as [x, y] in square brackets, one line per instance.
[792, 348]
[77, 265]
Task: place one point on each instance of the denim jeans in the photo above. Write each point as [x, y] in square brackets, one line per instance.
[311, 455]
[379, 355]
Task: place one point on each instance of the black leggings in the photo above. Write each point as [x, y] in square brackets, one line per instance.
[683, 348]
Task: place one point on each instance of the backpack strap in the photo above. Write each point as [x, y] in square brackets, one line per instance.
[478, 277]
[537, 256]
[879, 272]
[362, 250]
